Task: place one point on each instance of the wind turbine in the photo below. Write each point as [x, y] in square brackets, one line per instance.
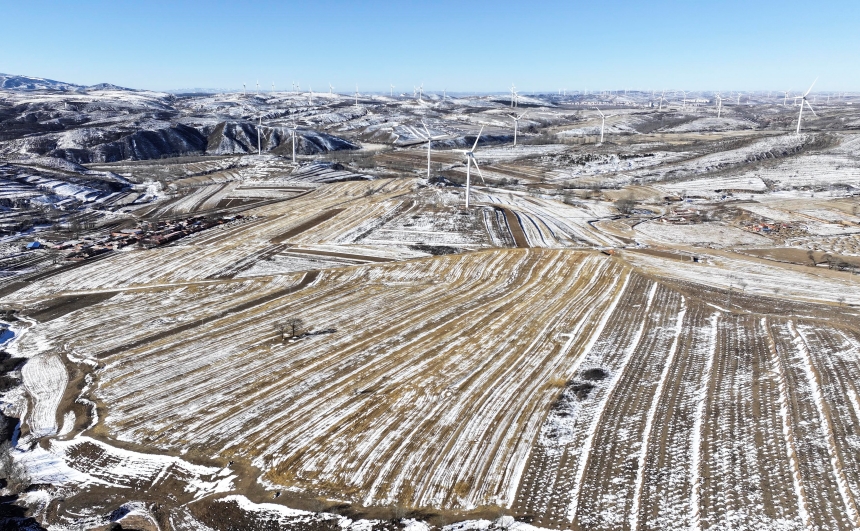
[739, 98]
[802, 101]
[430, 139]
[470, 159]
[391, 91]
[293, 136]
[259, 126]
[310, 95]
[602, 123]
[660, 108]
[785, 99]
[258, 86]
[719, 105]
[356, 95]
[330, 90]
[517, 125]
[244, 91]
[513, 95]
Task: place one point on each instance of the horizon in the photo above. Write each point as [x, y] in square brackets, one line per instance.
[480, 48]
[546, 92]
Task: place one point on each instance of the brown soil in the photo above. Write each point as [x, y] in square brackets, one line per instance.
[516, 228]
[309, 277]
[309, 224]
[361, 257]
[61, 306]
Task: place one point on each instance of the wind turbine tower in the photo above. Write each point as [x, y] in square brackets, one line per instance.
[470, 159]
[602, 123]
[517, 125]
[259, 126]
[293, 137]
[430, 139]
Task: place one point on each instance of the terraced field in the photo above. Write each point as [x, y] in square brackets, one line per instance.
[603, 399]
[381, 412]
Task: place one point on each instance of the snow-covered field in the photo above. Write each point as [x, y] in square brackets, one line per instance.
[700, 234]
[550, 353]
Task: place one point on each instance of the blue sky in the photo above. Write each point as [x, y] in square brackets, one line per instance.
[458, 45]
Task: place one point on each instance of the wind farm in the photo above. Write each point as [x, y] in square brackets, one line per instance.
[561, 266]
[304, 311]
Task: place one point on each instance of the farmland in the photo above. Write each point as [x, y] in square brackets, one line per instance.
[654, 332]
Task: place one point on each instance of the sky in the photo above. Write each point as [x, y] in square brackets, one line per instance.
[461, 46]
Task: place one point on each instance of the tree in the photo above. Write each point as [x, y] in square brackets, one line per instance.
[625, 205]
[290, 327]
[16, 474]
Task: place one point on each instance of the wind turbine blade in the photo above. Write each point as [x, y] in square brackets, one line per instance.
[479, 169]
[810, 107]
[425, 128]
[810, 87]
[598, 110]
[478, 138]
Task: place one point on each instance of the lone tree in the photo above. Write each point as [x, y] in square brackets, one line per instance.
[290, 327]
[625, 205]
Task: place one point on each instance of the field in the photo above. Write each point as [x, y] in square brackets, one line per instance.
[656, 332]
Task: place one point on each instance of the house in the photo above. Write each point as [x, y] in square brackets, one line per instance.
[34, 245]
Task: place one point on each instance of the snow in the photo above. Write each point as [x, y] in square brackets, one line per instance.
[45, 379]
[812, 379]
[588, 446]
[788, 438]
[701, 234]
[649, 421]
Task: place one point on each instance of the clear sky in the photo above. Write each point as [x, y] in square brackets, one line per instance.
[459, 45]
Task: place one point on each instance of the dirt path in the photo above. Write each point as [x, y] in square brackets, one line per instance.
[516, 228]
[348, 256]
[309, 224]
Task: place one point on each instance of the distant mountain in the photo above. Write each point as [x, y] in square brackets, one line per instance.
[12, 82]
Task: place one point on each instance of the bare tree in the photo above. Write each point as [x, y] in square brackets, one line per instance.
[625, 205]
[290, 327]
[16, 474]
